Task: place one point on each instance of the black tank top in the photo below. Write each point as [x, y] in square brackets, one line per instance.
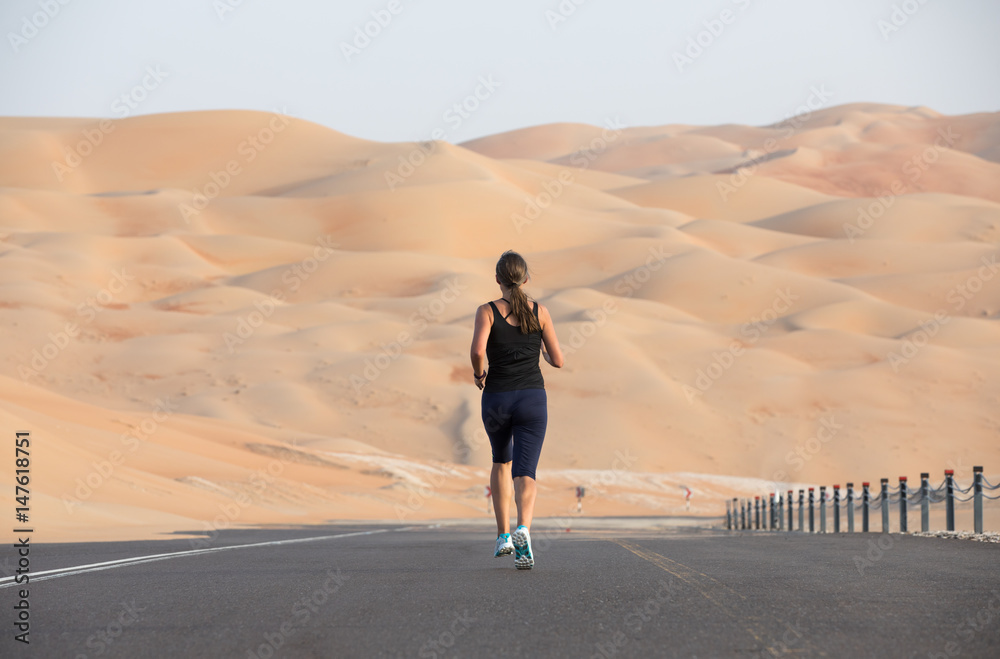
[513, 356]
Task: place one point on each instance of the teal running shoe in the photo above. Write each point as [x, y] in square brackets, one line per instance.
[504, 546]
[523, 558]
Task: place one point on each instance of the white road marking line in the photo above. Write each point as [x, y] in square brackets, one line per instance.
[8, 582]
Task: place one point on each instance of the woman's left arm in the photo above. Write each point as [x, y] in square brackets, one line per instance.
[479, 339]
[550, 342]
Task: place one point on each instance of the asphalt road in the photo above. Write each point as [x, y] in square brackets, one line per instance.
[438, 592]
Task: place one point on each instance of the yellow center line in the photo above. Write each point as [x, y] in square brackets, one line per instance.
[696, 580]
[659, 557]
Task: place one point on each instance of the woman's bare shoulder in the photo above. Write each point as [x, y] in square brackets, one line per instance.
[543, 315]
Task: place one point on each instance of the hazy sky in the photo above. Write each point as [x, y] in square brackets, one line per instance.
[531, 61]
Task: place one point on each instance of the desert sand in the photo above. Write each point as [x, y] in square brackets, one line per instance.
[217, 319]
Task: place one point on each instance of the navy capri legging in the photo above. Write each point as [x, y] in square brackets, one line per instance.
[515, 422]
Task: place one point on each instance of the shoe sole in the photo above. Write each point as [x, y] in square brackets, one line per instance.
[523, 560]
[506, 551]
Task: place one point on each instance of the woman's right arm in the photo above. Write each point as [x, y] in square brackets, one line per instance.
[480, 337]
[552, 352]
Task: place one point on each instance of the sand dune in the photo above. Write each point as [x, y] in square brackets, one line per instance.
[226, 318]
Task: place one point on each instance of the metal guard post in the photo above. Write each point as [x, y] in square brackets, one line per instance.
[977, 502]
[866, 505]
[836, 509]
[885, 505]
[812, 511]
[925, 502]
[902, 504]
[949, 502]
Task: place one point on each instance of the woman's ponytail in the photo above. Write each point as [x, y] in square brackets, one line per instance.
[513, 273]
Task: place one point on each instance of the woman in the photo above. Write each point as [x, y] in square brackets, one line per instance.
[509, 333]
